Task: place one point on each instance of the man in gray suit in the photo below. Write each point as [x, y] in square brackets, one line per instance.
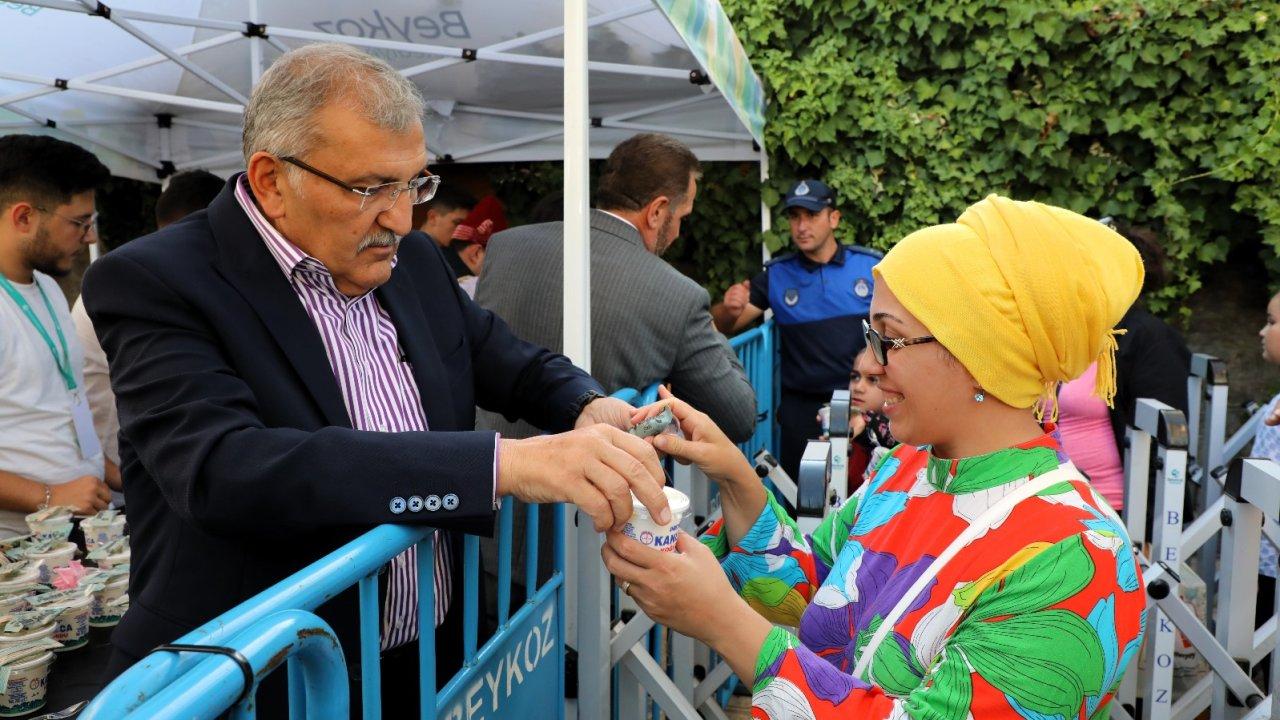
[649, 323]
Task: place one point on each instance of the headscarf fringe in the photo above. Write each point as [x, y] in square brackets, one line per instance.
[1105, 385]
[1047, 403]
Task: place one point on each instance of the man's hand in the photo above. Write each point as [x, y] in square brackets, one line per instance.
[1272, 418]
[596, 468]
[605, 411]
[737, 297]
[87, 494]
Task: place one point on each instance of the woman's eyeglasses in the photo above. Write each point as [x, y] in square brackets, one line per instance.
[881, 345]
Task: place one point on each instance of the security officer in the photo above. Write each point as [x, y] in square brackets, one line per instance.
[819, 297]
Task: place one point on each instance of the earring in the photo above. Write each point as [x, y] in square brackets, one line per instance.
[979, 396]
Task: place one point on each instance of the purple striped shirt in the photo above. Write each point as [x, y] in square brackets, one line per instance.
[377, 387]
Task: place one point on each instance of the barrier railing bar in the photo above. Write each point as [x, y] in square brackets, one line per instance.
[660, 687]
[1264, 640]
[305, 590]
[505, 517]
[215, 681]
[1202, 528]
[531, 549]
[1195, 700]
[630, 634]
[370, 662]
[297, 689]
[426, 563]
[716, 677]
[470, 597]
[458, 682]
[1243, 435]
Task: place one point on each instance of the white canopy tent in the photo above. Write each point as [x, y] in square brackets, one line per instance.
[156, 86]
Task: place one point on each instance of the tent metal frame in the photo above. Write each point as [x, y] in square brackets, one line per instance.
[259, 33]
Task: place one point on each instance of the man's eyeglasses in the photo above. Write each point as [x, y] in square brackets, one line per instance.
[419, 189]
[86, 226]
[881, 345]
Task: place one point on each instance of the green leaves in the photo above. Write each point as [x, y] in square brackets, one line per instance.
[1162, 113]
[914, 112]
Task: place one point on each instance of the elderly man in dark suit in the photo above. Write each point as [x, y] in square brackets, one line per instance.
[649, 323]
[295, 365]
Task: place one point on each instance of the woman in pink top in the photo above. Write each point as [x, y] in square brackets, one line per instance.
[1089, 439]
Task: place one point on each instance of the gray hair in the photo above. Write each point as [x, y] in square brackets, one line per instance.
[281, 115]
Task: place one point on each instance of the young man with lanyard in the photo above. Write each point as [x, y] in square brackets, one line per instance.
[49, 452]
[819, 297]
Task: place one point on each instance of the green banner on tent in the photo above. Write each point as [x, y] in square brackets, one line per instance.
[709, 35]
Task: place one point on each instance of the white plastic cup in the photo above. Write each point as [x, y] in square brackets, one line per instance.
[102, 614]
[28, 683]
[60, 556]
[97, 533]
[29, 576]
[72, 625]
[645, 530]
[36, 633]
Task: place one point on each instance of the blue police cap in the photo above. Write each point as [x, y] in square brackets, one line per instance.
[812, 195]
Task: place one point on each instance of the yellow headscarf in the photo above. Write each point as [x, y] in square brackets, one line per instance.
[1025, 295]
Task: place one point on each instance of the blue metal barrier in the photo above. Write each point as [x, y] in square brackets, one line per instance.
[756, 349]
[526, 652]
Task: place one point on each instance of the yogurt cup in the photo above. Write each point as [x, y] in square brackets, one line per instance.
[98, 532]
[59, 556]
[29, 576]
[56, 520]
[647, 531]
[16, 602]
[28, 683]
[103, 612]
[35, 633]
[72, 626]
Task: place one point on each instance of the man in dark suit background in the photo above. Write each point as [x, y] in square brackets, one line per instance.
[649, 322]
[295, 365]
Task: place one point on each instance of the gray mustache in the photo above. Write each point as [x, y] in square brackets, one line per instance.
[385, 238]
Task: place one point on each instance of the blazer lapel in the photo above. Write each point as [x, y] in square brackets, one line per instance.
[401, 301]
[245, 262]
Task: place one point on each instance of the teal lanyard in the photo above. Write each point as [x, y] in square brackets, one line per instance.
[63, 360]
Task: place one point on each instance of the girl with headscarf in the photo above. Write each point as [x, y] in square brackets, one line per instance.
[977, 575]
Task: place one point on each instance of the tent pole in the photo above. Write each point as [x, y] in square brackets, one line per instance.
[591, 608]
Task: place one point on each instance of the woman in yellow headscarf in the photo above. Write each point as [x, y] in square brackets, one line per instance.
[977, 574]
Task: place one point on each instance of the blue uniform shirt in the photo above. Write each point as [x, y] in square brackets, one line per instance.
[819, 311]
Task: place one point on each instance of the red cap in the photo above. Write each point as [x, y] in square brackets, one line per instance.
[485, 219]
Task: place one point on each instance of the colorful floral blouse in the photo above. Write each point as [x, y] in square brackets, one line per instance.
[1037, 618]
